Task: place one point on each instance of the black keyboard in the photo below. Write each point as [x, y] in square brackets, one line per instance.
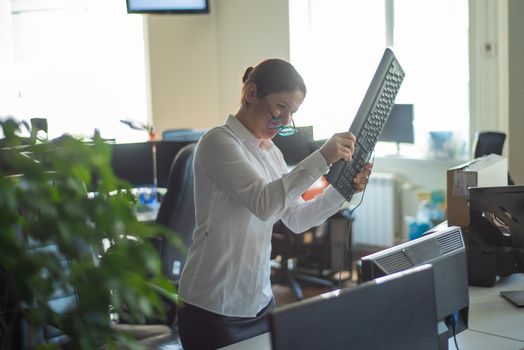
[368, 123]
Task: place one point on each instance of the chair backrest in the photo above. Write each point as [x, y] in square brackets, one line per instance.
[177, 211]
[488, 142]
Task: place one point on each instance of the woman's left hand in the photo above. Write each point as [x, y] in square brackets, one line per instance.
[361, 179]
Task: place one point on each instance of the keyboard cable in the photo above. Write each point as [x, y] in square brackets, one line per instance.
[348, 235]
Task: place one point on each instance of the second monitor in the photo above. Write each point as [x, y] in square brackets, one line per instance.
[399, 125]
[496, 233]
[394, 312]
[443, 248]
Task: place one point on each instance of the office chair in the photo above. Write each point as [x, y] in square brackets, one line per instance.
[488, 142]
[289, 247]
[177, 213]
[283, 245]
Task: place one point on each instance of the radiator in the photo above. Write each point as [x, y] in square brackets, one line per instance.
[377, 219]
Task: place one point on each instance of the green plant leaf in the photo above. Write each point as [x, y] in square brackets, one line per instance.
[53, 234]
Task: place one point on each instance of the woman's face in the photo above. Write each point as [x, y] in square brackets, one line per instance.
[280, 105]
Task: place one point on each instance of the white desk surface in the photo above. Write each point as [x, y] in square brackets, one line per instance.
[473, 340]
[494, 323]
[490, 313]
[260, 342]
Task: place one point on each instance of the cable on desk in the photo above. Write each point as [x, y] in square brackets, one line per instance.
[348, 235]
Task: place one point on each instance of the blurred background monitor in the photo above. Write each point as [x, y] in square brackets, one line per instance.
[165, 154]
[182, 135]
[133, 162]
[399, 125]
[296, 147]
[167, 6]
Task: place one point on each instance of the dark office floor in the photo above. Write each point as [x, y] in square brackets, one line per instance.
[284, 295]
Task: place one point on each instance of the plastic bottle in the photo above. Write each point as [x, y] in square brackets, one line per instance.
[423, 219]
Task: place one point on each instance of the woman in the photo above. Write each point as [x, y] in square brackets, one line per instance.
[242, 188]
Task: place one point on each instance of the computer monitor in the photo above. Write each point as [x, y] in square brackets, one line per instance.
[399, 125]
[296, 147]
[167, 6]
[393, 312]
[183, 135]
[165, 154]
[496, 233]
[133, 162]
[443, 247]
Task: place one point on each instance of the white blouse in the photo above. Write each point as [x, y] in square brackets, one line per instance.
[241, 191]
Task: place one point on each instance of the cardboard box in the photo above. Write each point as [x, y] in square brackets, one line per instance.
[486, 171]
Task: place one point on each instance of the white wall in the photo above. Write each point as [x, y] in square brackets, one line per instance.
[6, 47]
[516, 90]
[6, 35]
[197, 61]
[183, 72]
[425, 175]
[497, 75]
[488, 48]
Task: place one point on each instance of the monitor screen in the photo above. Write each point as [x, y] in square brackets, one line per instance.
[133, 162]
[393, 312]
[165, 154]
[496, 233]
[192, 135]
[296, 147]
[399, 125]
[443, 247]
[167, 6]
[502, 210]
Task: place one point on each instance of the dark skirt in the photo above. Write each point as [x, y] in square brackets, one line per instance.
[200, 329]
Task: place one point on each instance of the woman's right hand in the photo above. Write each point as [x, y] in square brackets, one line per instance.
[339, 146]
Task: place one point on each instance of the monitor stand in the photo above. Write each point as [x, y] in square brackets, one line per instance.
[398, 148]
[443, 335]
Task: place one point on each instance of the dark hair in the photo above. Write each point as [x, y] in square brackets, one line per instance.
[274, 75]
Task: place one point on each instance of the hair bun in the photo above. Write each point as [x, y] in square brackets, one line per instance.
[246, 74]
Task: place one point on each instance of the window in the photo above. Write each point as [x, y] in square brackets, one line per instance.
[80, 64]
[337, 44]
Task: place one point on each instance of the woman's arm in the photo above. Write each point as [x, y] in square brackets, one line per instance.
[222, 157]
[303, 215]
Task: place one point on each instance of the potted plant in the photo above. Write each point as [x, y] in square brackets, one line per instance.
[64, 195]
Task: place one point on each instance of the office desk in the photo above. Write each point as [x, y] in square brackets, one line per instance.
[492, 314]
[494, 323]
